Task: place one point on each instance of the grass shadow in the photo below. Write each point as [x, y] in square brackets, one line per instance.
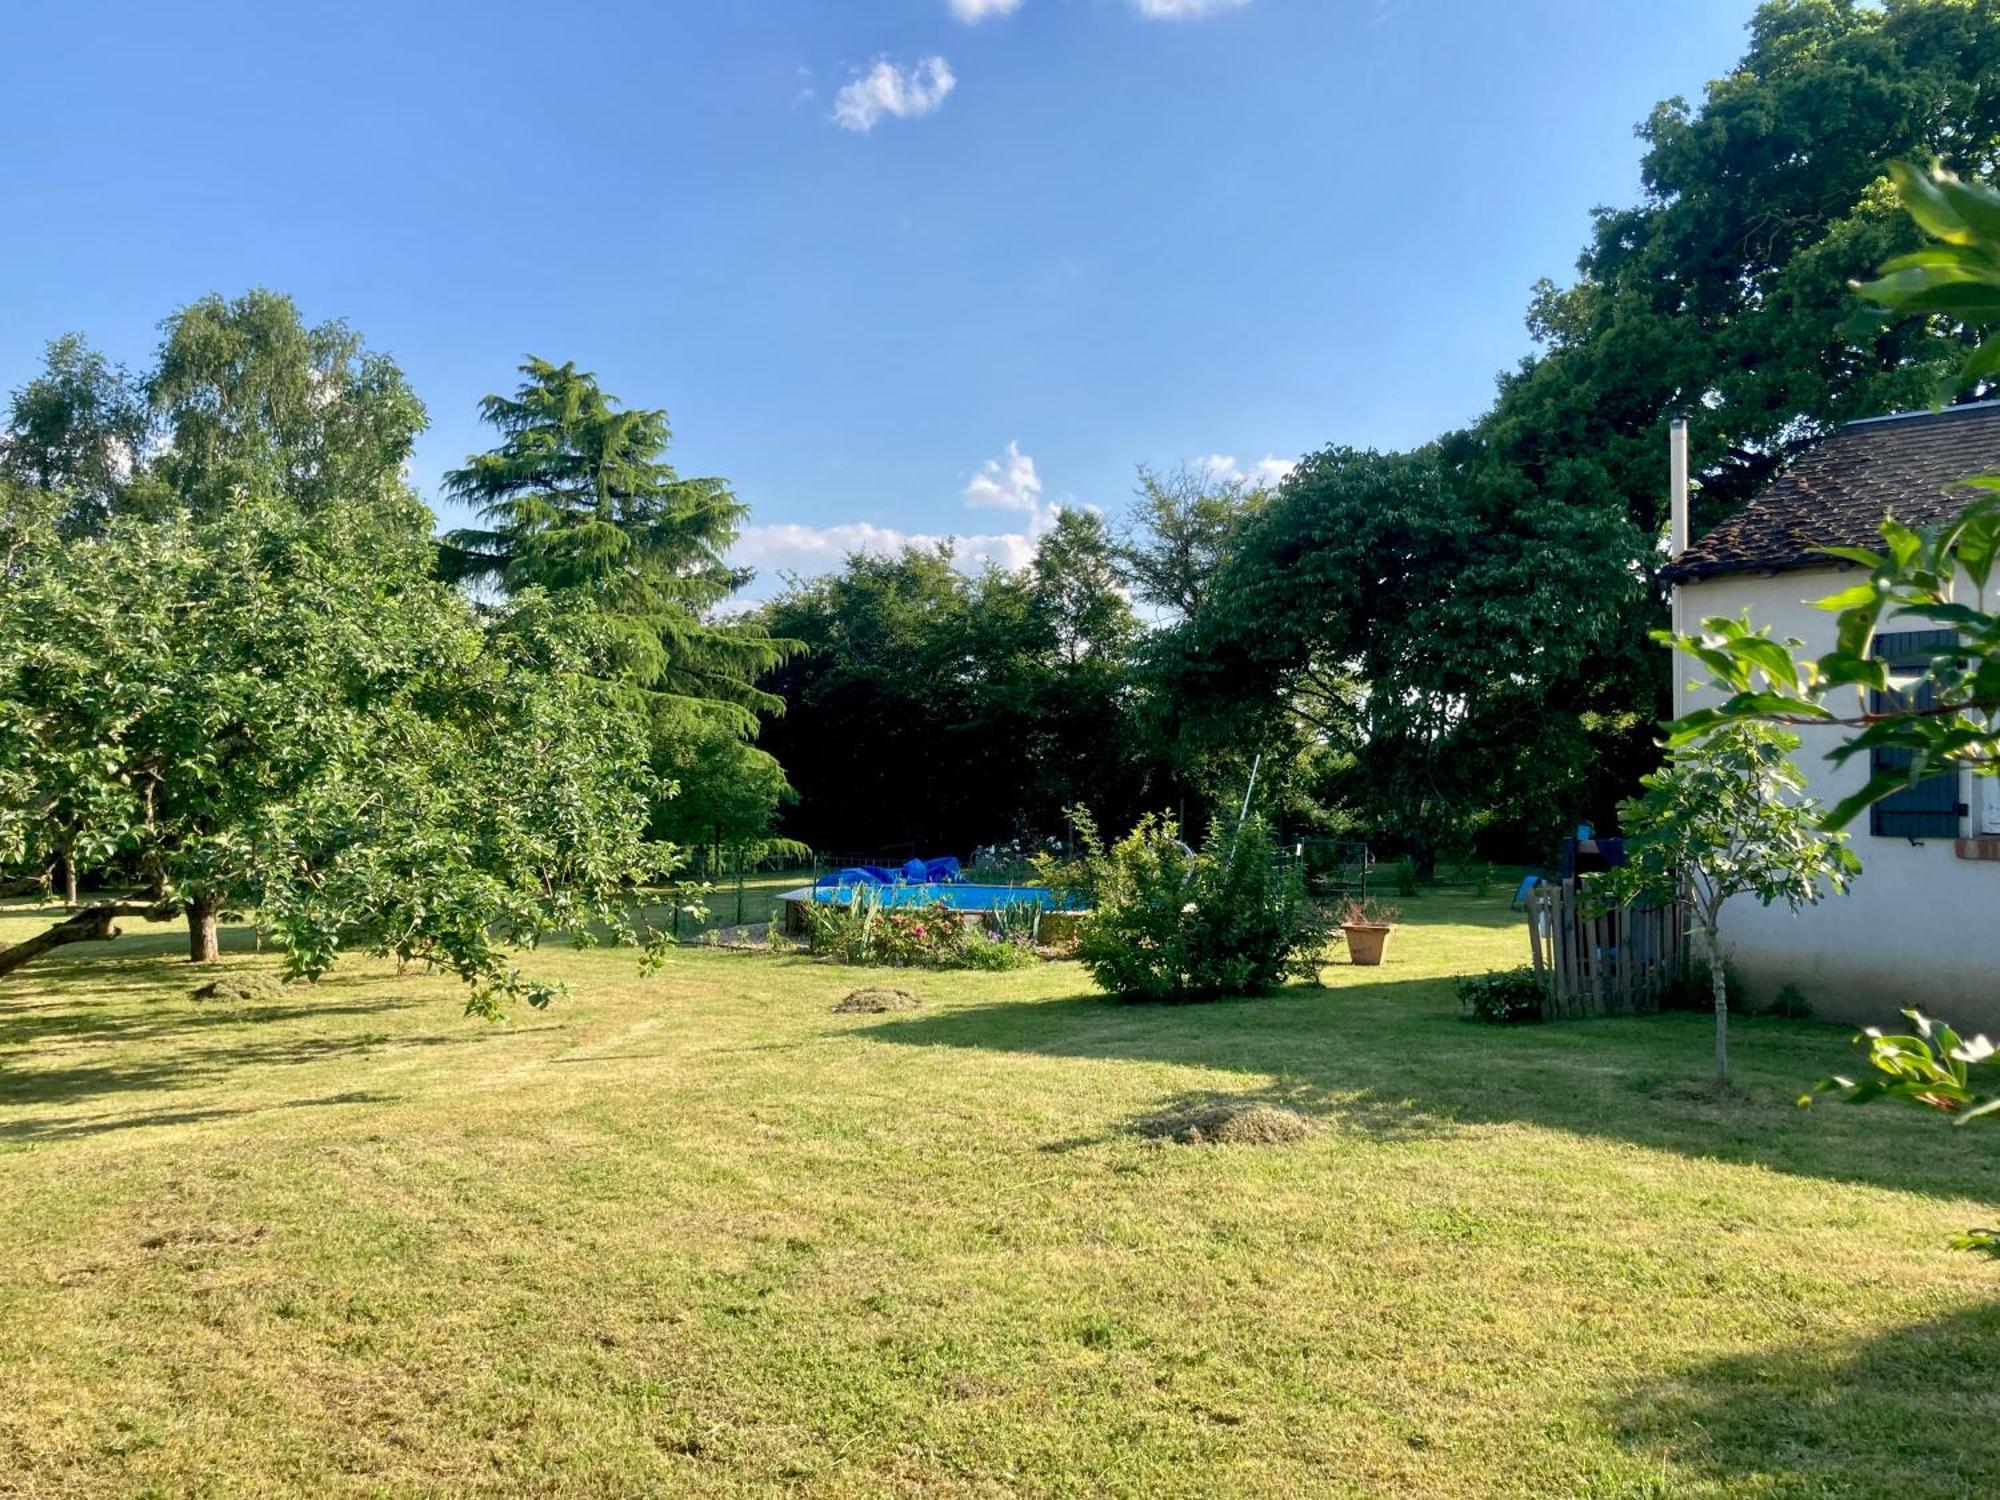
[1392, 1059]
[212, 1058]
[1911, 1413]
[75, 1127]
[114, 1023]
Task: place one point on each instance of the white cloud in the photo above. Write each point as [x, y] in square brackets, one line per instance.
[1267, 473]
[1184, 10]
[972, 12]
[1007, 483]
[788, 547]
[887, 90]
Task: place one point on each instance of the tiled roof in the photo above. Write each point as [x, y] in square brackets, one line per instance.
[1837, 492]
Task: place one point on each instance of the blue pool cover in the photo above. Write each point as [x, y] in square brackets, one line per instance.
[957, 897]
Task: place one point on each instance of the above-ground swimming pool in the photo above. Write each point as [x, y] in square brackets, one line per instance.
[965, 898]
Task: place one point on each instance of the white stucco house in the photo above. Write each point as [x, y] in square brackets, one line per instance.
[1921, 926]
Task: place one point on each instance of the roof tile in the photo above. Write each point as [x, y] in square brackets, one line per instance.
[1837, 493]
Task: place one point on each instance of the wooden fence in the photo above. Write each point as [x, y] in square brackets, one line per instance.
[1614, 963]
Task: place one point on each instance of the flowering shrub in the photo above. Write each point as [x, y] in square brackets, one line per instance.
[865, 930]
[1172, 924]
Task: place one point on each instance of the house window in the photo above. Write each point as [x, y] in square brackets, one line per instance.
[1927, 809]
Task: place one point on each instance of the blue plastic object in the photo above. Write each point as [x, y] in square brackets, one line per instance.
[943, 871]
[853, 875]
[1521, 891]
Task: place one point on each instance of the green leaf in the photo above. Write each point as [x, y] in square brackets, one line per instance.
[1976, 205]
[1850, 807]
[1859, 596]
[1844, 668]
[1927, 204]
[1773, 659]
[1962, 298]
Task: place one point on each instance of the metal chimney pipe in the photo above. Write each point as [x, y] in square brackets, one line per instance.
[1677, 463]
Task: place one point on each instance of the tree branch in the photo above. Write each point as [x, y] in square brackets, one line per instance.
[91, 925]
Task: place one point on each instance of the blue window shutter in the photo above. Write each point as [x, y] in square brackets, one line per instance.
[1926, 809]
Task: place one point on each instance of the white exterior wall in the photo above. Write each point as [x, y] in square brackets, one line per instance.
[1920, 926]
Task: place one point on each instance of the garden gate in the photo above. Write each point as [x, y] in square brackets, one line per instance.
[1610, 963]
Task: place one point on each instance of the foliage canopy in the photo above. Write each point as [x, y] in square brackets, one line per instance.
[228, 674]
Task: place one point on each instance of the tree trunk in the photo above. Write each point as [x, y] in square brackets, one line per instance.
[204, 944]
[92, 925]
[66, 873]
[1719, 985]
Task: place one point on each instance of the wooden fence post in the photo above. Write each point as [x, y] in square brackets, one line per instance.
[1615, 962]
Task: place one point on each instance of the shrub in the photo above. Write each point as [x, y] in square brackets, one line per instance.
[1073, 878]
[1171, 924]
[843, 930]
[1691, 989]
[1058, 933]
[865, 930]
[1504, 999]
[1791, 1003]
[983, 952]
[1404, 874]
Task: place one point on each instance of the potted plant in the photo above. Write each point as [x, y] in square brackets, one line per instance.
[1367, 927]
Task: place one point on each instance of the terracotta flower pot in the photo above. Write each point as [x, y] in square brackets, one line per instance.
[1367, 943]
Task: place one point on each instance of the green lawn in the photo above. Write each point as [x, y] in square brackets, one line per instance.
[694, 1234]
[727, 906]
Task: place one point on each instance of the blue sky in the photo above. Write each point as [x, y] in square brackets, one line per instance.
[895, 267]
